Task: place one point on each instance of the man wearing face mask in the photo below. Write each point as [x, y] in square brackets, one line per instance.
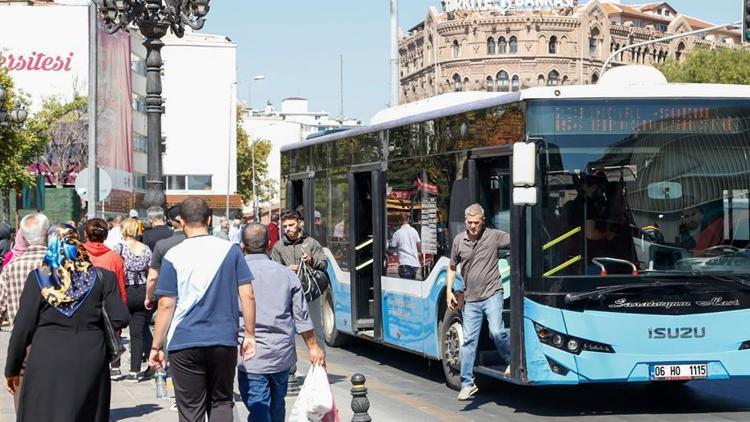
[476, 250]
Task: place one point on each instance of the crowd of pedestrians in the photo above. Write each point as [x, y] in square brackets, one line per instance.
[222, 303]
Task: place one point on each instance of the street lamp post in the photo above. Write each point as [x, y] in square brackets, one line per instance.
[250, 91]
[153, 18]
[7, 118]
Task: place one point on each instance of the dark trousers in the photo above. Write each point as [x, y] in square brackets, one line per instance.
[264, 395]
[140, 332]
[407, 271]
[203, 379]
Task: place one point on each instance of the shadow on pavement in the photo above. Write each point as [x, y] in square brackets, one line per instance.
[705, 397]
[133, 412]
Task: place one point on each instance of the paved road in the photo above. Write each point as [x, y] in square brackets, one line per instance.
[419, 385]
[404, 387]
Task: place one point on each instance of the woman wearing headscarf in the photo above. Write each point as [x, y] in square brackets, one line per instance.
[60, 314]
[18, 249]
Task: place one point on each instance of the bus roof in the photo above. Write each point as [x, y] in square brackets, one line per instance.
[625, 82]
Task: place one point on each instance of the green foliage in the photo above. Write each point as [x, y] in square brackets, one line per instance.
[722, 66]
[265, 187]
[19, 145]
[63, 129]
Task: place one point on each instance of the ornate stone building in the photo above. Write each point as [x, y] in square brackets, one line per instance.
[473, 50]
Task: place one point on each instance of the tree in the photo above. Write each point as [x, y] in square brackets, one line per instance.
[721, 65]
[265, 187]
[19, 148]
[64, 128]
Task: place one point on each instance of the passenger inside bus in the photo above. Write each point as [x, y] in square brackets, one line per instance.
[606, 226]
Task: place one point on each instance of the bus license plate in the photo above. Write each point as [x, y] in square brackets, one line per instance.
[691, 371]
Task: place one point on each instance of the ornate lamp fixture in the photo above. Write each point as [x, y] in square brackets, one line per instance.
[17, 115]
[153, 18]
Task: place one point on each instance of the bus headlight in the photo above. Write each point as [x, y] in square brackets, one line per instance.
[568, 343]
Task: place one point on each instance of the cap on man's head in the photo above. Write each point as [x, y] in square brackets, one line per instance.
[133, 213]
[317, 214]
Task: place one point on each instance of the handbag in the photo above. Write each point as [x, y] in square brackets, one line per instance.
[115, 349]
[314, 282]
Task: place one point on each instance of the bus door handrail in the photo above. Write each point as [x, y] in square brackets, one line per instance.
[557, 240]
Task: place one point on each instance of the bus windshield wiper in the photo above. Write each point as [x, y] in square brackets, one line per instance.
[736, 279]
[600, 292]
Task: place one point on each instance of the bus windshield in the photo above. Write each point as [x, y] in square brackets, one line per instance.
[640, 187]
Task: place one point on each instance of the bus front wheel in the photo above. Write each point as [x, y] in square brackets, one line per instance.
[451, 338]
[333, 336]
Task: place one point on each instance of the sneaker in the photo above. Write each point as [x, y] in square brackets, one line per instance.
[115, 373]
[149, 372]
[173, 407]
[467, 392]
[133, 377]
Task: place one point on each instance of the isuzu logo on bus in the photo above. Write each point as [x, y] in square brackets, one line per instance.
[676, 332]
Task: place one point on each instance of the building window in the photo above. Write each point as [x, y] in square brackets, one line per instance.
[140, 143]
[593, 42]
[189, 182]
[490, 84]
[540, 80]
[456, 49]
[594, 78]
[139, 103]
[515, 83]
[457, 86]
[199, 182]
[680, 50]
[139, 180]
[503, 83]
[553, 78]
[552, 47]
[502, 46]
[176, 182]
[490, 46]
[513, 45]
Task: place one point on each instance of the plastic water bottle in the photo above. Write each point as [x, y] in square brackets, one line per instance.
[161, 383]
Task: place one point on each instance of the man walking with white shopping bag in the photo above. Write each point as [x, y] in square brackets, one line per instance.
[281, 311]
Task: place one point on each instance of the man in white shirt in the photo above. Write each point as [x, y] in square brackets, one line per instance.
[407, 245]
[114, 236]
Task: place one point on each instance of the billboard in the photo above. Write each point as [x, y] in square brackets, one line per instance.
[114, 113]
[45, 48]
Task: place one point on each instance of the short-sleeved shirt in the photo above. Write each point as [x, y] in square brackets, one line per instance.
[405, 242]
[150, 237]
[479, 268]
[280, 313]
[163, 246]
[204, 274]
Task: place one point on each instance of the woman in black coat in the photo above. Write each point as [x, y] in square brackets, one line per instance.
[66, 372]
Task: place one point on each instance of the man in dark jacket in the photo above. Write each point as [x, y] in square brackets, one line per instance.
[295, 245]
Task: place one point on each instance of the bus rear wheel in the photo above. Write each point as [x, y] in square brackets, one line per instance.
[333, 336]
[451, 338]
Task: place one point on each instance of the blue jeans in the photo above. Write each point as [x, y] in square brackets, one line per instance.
[263, 395]
[474, 312]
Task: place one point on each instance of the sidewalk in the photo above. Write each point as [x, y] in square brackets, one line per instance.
[137, 401]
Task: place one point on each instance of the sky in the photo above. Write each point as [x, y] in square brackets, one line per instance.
[297, 45]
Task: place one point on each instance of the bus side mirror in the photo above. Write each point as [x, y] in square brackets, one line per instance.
[524, 174]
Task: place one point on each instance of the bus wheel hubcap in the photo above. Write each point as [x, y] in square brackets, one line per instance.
[328, 317]
[452, 346]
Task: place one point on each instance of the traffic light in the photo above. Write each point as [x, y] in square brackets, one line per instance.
[746, 20]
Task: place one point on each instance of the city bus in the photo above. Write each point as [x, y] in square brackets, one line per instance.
[627, 206]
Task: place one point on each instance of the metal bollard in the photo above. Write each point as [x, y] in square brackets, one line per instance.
[360, 402]
[293, 385]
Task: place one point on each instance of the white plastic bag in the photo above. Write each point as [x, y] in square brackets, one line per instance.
[314, 399]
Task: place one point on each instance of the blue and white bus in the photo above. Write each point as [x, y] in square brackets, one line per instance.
[627, 205]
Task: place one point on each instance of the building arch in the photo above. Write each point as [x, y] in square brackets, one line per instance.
[594, 78]
[553, 78]
[502, 46]
[552, 45]
[456, 83]
[503, 81]
[540, 80]
[490, 84]
[515, 84]
[455, 49]
[679, 52]
[491, 46]
[594, 35]
[513, 45]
